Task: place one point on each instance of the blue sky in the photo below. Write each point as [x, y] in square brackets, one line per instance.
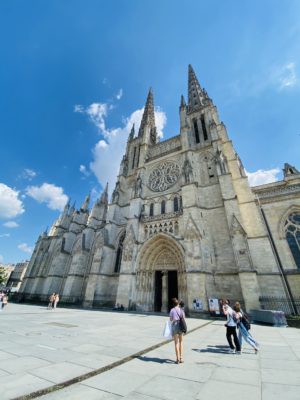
[74, 76]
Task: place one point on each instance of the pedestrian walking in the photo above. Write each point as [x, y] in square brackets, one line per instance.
[1, 300]
[56, 300]
[231, 325]
[51, 301]
[243, 333]
[175, 314]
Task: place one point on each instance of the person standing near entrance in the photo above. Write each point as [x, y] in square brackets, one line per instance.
[231, 328]
[175, 314]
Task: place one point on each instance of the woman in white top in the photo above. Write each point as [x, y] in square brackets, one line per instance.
[231, 328]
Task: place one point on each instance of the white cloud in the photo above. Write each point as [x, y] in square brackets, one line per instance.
[83, 170]
[96, 112]
[108, 153]
[24, 247]
[4, 235]
[287, 75]
[11, 224]
[10, 204]
[119, 94]
[50, 194]
[261, 177]
[28, 174]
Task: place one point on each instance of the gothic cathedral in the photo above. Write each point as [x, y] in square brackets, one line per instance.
[183, 222]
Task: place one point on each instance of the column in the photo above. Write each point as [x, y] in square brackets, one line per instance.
[164, 306]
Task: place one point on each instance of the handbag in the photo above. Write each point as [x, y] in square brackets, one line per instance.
[167, 333]
[182, 323]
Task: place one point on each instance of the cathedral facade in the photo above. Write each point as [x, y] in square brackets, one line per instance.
[183, 222]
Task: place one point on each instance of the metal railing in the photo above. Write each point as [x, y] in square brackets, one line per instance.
[279, 304]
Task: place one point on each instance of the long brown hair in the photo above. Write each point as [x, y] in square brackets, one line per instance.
[175, 302]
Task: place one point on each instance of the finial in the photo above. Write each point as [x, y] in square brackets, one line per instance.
[86, 203]
[132, 132]
[182, 102]
[104, 195]
[195, 92]
[148, 118]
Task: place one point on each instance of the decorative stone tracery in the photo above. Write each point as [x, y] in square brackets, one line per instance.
[164, 176]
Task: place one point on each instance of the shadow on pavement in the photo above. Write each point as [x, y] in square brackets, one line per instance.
[157, 360]
[214, 349]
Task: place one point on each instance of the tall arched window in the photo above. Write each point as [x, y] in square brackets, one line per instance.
[163, 207]
[292, 232]
[176, 205]
[119, 254]
[196, 131]
[151, 210]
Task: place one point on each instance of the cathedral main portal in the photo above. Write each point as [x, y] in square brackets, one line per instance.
[160, 275]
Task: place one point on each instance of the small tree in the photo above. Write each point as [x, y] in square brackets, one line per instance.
[3, 276]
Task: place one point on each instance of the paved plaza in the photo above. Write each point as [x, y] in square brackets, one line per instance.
[110, 355]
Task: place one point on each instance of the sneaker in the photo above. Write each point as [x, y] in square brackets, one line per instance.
[239, 352]
[232, 351]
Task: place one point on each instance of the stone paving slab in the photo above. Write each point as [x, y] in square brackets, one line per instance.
[40, 347]
[208, 372]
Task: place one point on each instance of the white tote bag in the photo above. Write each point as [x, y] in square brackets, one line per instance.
[167, 333]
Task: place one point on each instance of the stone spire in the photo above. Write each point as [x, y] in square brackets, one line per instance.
[132, 133]
[66, 210]
[104, 195]
[196, 94]
[72, 209]
[85, 204]
[182, 102]
[148, 119]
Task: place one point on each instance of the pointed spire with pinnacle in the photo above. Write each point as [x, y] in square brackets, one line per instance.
[104, 195]
[132, 133]
[148, 118]
[182, 102]
[85, 204]
[196, 94]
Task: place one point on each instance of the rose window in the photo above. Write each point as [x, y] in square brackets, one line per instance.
[164, 176]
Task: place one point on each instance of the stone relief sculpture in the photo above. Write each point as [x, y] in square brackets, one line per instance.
[128, 245]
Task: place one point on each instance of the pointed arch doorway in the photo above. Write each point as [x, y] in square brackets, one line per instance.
[160, 274]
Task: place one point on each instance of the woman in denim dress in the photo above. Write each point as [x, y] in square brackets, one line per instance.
[175, 314]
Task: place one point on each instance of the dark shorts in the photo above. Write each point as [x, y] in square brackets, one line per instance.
[176, 329]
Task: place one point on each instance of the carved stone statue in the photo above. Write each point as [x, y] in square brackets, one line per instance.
[125, 165]
[221, 162]
[187, 171]
[138, 186]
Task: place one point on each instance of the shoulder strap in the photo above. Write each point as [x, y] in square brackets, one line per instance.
[179, 315]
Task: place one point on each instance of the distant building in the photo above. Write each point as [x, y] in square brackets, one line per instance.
[183, 222]
[16, 276]
[8, 269]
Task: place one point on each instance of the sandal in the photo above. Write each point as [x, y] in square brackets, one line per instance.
[181, 361]
[177, 361]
